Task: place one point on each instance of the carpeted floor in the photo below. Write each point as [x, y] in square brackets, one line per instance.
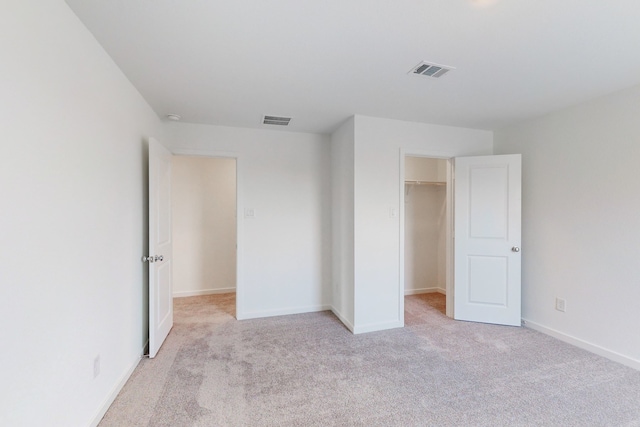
[309, 370]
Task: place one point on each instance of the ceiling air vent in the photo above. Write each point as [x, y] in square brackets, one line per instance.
[430, 70]
[275, 120]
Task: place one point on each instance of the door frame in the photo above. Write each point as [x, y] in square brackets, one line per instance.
[239, 209]
[433, 154]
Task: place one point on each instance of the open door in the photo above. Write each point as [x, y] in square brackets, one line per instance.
[160, 246]
[487, 227]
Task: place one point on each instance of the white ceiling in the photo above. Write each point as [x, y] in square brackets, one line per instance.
[230, 62]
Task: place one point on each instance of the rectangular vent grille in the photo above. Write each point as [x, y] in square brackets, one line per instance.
[430, 70]
[275, 120]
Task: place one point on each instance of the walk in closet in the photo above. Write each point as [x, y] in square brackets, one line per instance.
[204, 225]
[425, 225]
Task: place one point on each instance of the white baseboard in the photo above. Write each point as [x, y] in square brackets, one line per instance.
[114, 392]
[593, 348]
[182, 294]
[425, 291]
[343, 319]
[374, 327]
[281, 312]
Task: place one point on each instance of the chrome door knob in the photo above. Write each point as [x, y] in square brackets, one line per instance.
[148, 259]
[515, 249]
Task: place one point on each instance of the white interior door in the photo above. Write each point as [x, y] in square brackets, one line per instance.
[487, 203]
[160, 246]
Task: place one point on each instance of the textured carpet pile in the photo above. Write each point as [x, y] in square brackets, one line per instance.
[309, 370]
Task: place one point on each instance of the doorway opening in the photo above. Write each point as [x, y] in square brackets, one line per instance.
[204, 225]
[427, 232]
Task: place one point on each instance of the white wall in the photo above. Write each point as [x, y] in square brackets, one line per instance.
[425, 227]
[380, 146]
[72, 221]
[581, 222]
[425, 169]
[342, 175]
[284, 253]
[204, 225]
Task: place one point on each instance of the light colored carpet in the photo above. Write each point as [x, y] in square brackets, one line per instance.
[308, 370]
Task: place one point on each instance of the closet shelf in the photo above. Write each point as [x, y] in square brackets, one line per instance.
[425, 183]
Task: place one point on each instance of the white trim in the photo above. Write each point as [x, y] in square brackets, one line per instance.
[401, 209]
[450, 243]
[114, 392]
[593, 348]
[182, 294]
[341, 318]
[374, 327]
[239, 237]
[425, 291]
[282, 312]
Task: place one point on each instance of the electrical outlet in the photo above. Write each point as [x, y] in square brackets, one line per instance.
[96, 366]
[560, 304]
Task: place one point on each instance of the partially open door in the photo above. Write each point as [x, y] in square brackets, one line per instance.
[160, 246]
[487, 228]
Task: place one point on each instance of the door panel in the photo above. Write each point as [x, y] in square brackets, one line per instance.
[488, 204]
[160, 246]
[488, 280]
[487, 197]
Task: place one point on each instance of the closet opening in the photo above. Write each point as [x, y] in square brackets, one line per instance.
[427, 232]
[204, 226]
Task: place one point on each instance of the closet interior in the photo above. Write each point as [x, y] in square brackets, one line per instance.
[204, 226]
[425, 225]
